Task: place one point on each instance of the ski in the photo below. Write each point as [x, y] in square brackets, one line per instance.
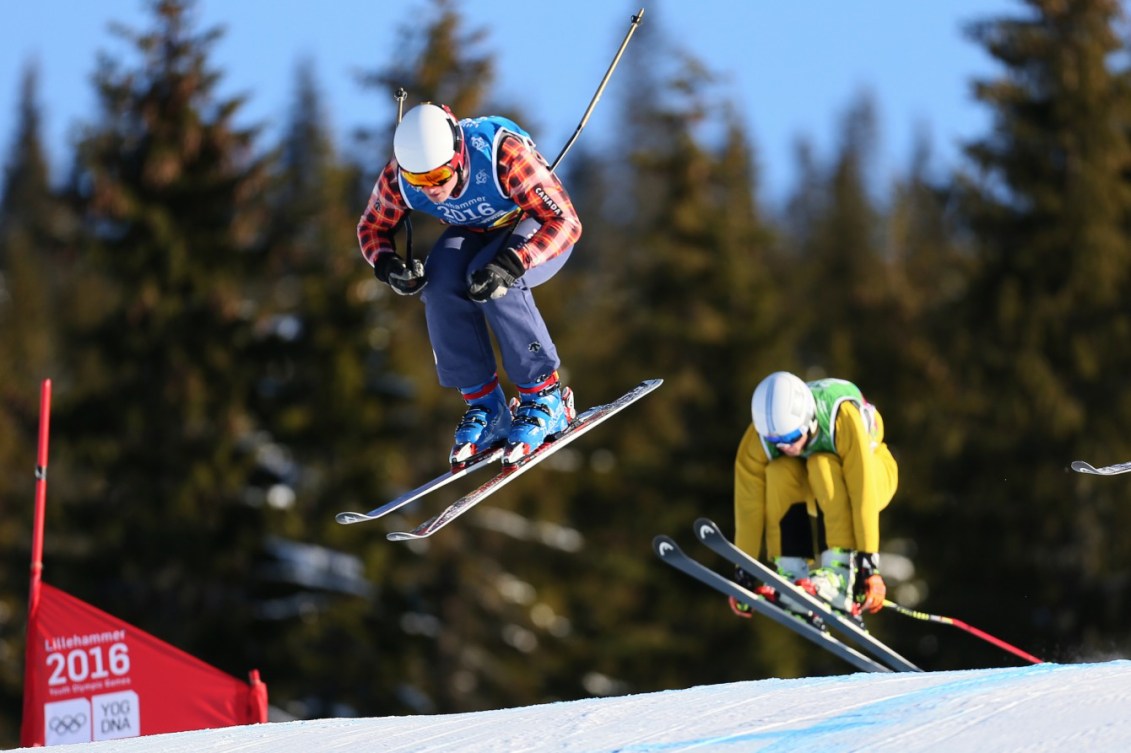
[710, 534]
[580, 425]
[1108, 470]
[347, 518]
[668, 551]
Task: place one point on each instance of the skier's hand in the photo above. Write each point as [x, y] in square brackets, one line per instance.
[875, 591]
[870, 587]
[495, 278]
[404, 279]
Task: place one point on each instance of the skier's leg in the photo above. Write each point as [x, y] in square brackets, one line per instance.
[749, 498]
[880, 473]
[797, 532]
[833, 581]
[457, 326]
[826, 478]
[796, 542]
[462, 346]
[527, 350]
[785, 487]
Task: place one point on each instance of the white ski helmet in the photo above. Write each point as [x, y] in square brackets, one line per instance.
[782, 404]
[427, 137]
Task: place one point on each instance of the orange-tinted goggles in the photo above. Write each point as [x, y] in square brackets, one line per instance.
[435, 177]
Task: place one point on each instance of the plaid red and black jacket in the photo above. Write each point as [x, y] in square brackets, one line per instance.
[526, 178]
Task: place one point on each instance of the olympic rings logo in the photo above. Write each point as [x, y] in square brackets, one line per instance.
[66, 725]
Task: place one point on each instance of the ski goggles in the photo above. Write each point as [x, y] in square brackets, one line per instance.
[789, 438]
[435, 177]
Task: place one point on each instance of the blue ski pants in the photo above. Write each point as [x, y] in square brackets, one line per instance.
[459, 328]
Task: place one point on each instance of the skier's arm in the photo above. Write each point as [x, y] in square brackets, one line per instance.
[527, 179]
[384, 211]
[862, 474]
[750, 493]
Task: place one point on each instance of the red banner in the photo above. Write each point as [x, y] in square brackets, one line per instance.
[90, 676]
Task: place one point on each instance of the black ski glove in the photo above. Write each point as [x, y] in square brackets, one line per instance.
[404, 279]
[496, 277]
[867, 565]
[745, 579]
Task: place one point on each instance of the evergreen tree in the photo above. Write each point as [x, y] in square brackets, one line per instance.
[444, 62]
[1043, 333]
[929, 269]
[335, 407]
[158, 440]
[36, 229]
[681, 291]
[34, 270]
[24, 204]
[836, 263]
[913, 379]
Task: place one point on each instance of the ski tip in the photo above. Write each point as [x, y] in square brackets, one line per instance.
[345, 518]
[664, 545]
[403, 536]
[1082, 467]
[705, 527]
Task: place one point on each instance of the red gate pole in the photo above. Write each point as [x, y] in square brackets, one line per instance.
[40, 496]
[31, 728]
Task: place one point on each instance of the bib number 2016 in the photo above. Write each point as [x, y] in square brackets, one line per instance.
[80, 665]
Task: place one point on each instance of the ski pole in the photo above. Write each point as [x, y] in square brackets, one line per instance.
[400, 95]
[917, 615]
[588, 111]
[600, 89]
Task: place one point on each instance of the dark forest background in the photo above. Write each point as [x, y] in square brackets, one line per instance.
[228, 374]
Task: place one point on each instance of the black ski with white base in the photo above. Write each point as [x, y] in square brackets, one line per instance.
[668, 551]
[712, 536]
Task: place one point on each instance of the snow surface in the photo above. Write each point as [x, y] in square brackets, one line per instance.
[1047, 707]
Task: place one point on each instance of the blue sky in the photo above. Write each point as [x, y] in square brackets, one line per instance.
[792, 68]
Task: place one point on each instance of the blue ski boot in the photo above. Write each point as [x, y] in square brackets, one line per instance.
[484, 425]
[544, 410]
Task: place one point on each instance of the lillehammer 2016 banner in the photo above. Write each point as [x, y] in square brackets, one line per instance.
[91, 676]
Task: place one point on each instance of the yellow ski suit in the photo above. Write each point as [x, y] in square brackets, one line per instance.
[850, 486]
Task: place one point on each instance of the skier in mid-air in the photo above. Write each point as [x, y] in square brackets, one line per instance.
[479, 176]
[815, 452]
